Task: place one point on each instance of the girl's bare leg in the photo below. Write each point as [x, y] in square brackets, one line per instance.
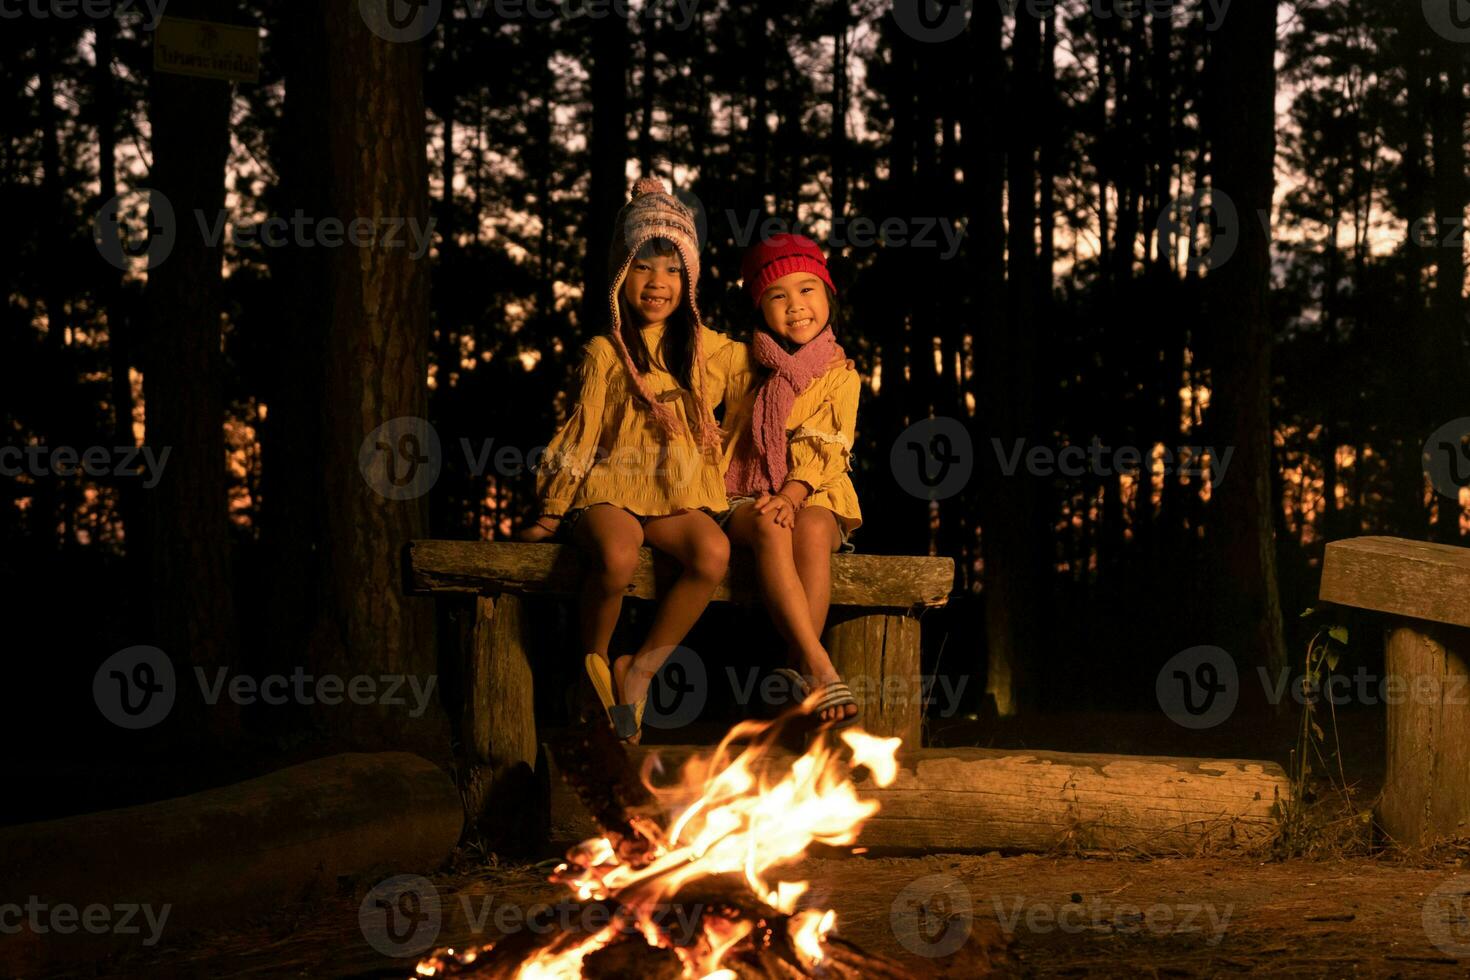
[610, 537]
[784, 591]
[696, 542]
[814, 540]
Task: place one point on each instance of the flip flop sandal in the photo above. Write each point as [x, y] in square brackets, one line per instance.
[627, 719]
[800, 689]
[601, 676]
[836, 695]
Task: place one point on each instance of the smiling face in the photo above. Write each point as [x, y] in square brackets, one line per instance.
[654, 285]
[795, 307]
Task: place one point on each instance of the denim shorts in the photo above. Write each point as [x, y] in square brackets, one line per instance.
[845, 548]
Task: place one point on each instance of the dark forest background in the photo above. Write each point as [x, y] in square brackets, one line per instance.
[1114, 282]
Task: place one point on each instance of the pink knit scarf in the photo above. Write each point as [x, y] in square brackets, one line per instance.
[759, 465]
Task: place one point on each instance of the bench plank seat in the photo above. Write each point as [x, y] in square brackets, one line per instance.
[495, 567]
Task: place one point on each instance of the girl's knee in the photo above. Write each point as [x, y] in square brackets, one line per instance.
[616, 565]
[767, 531]
[711, 558]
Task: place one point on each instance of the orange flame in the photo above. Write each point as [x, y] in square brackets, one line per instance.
[730, 818]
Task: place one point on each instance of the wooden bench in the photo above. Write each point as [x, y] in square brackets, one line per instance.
[873, 634]
[1425, 590]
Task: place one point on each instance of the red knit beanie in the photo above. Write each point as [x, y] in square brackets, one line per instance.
[781, 255]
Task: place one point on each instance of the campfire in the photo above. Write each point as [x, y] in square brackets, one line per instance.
[687, 876]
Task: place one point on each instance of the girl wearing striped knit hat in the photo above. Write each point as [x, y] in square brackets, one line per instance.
[791, 501]
[639, 459]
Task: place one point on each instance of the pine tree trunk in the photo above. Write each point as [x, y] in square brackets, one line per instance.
[192, 588]
[1240, 113]
[1446, 340]
[1009, 511]
[376, 360]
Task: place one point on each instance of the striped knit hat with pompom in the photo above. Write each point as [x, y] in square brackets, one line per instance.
[655, 213]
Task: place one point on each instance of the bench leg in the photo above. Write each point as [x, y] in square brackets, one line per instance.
[1426, 791]
[498, 726]
[878, 655]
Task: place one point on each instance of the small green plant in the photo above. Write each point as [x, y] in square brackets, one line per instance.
[1319, 816]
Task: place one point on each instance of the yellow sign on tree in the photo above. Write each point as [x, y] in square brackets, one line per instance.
[206, 49]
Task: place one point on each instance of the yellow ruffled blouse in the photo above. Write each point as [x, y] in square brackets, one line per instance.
[819, 430]
[610, 450]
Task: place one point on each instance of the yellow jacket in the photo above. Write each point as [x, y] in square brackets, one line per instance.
[820, 430]
[609, 450]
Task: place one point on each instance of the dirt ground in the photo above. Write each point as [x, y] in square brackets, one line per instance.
[1054, 916]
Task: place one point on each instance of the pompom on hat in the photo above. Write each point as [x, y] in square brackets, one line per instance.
[655, 213]
[781, 255]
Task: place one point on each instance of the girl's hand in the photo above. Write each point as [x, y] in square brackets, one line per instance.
[781, 506]
[840, 362]
[542, 530]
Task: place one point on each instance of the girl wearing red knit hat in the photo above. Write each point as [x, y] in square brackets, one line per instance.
[638, 460]
[791, 500]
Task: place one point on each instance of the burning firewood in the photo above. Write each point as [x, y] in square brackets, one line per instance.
[686, 895]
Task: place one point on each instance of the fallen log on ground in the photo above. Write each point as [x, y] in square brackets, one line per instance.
[221, 855]
[977, 800]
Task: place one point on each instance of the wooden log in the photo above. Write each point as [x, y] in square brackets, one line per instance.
[510, 567]
[1426, 792]
[976, 800]
[498, 727]
[222, 856]
[877, 654]
[1416, 579]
